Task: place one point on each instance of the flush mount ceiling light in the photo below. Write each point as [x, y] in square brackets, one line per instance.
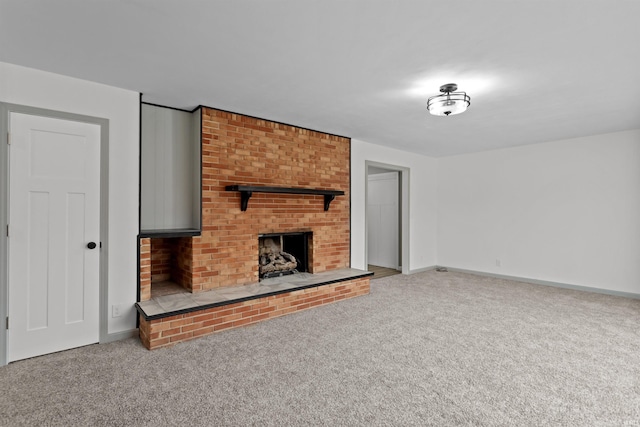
[449, 102]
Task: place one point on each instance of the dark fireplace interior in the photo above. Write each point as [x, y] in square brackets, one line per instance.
[283, 253]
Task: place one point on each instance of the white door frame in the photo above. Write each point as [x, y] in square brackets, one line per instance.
[5, 110]
[403, 174]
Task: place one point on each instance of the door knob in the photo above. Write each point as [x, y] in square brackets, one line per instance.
[91, 245]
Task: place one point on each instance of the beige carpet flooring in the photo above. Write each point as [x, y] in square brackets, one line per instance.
[430, 349]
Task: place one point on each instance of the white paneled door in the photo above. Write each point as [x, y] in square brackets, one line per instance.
[54, 223]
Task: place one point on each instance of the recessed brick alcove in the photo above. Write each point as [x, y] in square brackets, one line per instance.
[241, 150]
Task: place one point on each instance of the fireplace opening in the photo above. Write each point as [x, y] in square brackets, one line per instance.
[281, 254]
[170, 265]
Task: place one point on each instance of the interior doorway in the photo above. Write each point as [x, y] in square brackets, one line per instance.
[54, 217]
[386, 219]
[53, 256]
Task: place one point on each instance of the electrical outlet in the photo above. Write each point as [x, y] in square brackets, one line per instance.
[498, 263]
[115, 310]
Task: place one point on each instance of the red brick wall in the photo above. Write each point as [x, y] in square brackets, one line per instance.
[238, 149]
[160, 259]
[145, 269]
[247, 151]
[181, 265]
[182, 327]
[170, 259]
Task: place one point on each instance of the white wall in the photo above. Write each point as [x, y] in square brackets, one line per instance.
[422, 203]
[25, 86]
[565, 211]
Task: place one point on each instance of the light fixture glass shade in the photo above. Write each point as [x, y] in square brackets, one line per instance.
[448, 103]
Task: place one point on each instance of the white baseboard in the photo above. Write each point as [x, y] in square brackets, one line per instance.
[420, 270]
[117, 336]
[548, 283]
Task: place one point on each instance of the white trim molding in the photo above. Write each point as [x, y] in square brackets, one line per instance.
[549, 283]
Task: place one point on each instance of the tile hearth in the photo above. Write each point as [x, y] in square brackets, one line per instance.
[168, 305]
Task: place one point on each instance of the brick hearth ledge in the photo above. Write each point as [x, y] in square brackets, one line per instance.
[180, 317]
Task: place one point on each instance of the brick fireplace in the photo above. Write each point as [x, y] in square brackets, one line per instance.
[246, 151]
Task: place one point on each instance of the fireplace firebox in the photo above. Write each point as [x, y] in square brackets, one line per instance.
[281, 254]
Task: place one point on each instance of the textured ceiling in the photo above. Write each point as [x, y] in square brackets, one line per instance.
[536, 70]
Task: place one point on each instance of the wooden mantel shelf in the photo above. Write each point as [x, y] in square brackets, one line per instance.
[246, 191]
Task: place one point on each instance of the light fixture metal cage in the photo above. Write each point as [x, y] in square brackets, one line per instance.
[449, 102]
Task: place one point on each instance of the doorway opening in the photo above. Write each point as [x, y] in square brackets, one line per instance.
[67, 226]
[386, 219]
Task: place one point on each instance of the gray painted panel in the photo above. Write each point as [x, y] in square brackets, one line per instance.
[168, 158]
[196, 140]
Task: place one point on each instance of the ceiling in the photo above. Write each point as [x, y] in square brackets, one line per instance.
[536, 70]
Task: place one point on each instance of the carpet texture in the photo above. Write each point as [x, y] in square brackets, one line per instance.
[427, 349]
